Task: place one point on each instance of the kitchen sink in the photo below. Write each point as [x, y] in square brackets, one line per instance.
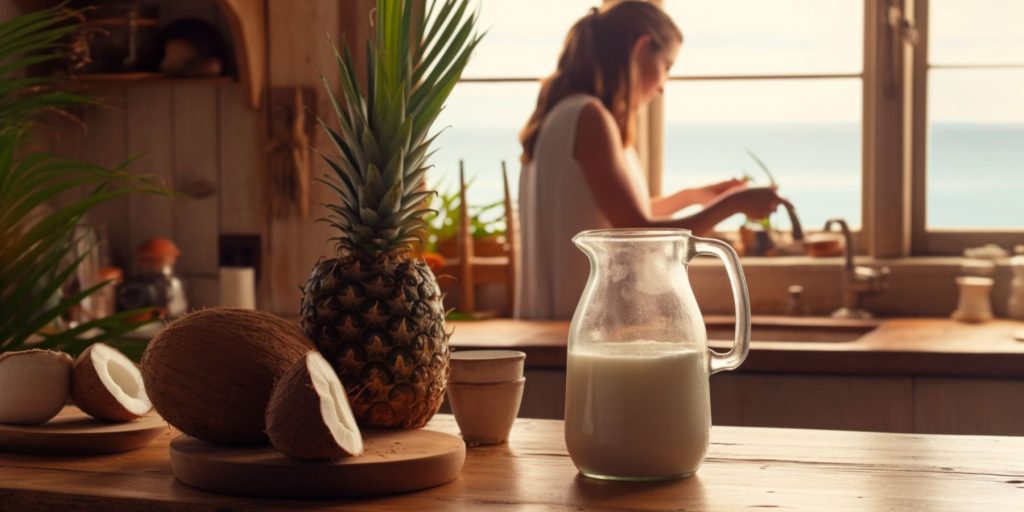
[796, 329]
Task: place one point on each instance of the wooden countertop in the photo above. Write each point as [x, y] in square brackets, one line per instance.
[900, 346]
[746, 468]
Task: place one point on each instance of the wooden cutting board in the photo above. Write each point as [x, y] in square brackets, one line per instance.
[394, 461]
[73, 432]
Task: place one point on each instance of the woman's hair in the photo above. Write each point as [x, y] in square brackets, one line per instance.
[596, 60]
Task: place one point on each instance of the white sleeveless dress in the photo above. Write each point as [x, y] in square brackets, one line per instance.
[555, 203]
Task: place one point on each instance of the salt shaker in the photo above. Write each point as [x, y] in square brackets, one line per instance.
[1015, 307]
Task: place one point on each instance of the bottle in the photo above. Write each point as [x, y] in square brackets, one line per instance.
[1015, 307]
[154, 283]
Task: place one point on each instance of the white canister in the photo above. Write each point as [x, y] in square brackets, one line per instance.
[1015, 307]
[974, 305]
[238, 287]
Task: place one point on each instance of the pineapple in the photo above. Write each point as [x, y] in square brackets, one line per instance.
[374, 310]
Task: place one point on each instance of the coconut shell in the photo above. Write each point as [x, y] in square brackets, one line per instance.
[91, 395]
[295, 422]
[210, 373]
[34, 385]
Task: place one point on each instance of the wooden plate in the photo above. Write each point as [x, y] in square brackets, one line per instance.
[394, 461]
[73, 432]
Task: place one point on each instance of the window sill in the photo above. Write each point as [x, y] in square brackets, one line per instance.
[918, 286]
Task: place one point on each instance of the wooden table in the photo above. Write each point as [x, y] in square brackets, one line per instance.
[746, 469]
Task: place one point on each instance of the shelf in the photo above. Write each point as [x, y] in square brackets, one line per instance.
[145, 77]
[246, 21]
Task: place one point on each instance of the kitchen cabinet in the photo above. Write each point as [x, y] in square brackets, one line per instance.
[880, 404]
[969, 406]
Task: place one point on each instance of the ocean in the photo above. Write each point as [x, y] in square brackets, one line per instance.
[975, 173]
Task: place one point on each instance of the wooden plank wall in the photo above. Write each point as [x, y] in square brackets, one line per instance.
[175, 132]
[205, 142]
[298, 48]
[297, 34]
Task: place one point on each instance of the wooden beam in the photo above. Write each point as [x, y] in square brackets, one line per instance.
[917, 129]
[884, 187]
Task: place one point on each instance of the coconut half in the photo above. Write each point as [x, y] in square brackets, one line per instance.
[34, 385]
[309, 417]
[108, 386]
[210, 373]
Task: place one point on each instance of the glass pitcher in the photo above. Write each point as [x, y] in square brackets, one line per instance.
[637, 403]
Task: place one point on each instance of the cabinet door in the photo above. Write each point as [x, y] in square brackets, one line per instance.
[969, 406]
[813, 401]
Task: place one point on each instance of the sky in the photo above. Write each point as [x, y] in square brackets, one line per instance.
[746, 37]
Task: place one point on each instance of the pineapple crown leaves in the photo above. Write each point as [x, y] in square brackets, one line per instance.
[413, 63]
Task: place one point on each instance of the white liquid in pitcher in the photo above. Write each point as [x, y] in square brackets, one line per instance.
[637, 410]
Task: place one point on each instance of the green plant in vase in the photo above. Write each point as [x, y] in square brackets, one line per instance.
[374, 310]
[443, 222]
[40, 249]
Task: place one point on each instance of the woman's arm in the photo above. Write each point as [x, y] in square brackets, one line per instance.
[667, 205]
[598, 150]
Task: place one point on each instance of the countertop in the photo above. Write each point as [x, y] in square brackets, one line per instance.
[745, 469]
[898, 346]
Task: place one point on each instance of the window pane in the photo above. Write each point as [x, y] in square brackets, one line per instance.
[481, 125]
[524, 37]
[975, 149]
[769, 37]
[806, 131]
[976, 32]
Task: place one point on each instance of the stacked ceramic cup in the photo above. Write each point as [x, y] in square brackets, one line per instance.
[485, 389]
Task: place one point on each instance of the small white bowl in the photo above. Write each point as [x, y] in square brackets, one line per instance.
[486, 366]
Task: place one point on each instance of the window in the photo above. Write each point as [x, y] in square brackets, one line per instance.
[906, 117]
[975, 87]
[779, 79]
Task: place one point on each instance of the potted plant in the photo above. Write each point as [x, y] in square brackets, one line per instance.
[488, 231]
[41, 246]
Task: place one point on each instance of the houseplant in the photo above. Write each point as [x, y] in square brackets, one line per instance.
[374, 309]
[443, 224]
[38, 253]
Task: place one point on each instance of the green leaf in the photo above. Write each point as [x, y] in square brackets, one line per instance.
[414, 58]
[374, 184]
[40, 251]
[391, 203]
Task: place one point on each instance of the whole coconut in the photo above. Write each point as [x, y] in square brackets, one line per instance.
[210, 373]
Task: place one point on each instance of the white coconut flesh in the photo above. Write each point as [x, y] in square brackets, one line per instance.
[34, 385]
[121, 378]
[334, 407]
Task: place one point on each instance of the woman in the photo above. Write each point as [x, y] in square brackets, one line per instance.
[580, 169]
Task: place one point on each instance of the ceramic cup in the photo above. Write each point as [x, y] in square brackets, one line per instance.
[485, 389]
[974, 305]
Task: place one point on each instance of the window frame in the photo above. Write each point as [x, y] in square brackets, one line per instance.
[894, 142]
[936, 241]
[650, 138]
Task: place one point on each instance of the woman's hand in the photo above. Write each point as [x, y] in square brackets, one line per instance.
[756, 202]
[725, 186]
[710, 193]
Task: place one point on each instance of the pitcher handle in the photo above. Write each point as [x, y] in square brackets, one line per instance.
[731, 359]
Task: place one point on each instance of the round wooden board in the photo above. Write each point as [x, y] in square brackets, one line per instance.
[393, 461]
[73, 432]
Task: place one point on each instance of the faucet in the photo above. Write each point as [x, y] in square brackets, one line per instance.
[858, 281]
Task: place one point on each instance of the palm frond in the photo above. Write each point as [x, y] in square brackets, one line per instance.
[414, 60]
[40, 251]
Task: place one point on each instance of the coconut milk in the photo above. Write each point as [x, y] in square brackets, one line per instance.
[637, 410]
